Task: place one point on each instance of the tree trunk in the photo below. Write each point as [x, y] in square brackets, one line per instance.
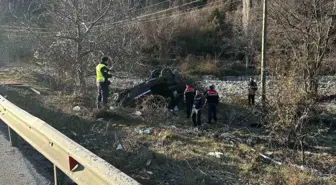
[313, 86]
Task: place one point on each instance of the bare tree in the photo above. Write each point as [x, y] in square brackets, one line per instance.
[300, 33]
[306, 27]
[75, 21]
[75, 31]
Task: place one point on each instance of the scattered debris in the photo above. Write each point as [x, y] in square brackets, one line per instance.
[270, 159]
[275, 161]
[36, 91]
[74, 133]
[17, 84]
[230, 137]
[137, 113]
[216, 154]
[120, 147]
[112, 108]
[150, 173]
[146, 131]
[148, 162]
[76, 108]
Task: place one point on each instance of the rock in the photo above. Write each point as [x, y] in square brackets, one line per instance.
[76, 108]
[100, 119]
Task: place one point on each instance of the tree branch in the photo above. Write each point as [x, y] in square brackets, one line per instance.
[99, 18]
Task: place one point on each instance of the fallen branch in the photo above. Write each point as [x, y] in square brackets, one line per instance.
[15, 84]
[302, 168]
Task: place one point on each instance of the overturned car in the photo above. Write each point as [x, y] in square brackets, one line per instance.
[162, 82]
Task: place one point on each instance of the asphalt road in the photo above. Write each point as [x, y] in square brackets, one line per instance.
[22, 165]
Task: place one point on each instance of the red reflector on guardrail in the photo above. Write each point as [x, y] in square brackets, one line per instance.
[72, 163]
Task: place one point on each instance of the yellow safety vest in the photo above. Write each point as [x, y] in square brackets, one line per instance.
[99, 74]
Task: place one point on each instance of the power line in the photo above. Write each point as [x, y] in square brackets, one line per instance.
[141, 16]
[152, 5]
[158, 12]
[135, 20]
[130, 22]
[167, 9]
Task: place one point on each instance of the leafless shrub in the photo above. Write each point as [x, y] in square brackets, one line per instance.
[153, 108]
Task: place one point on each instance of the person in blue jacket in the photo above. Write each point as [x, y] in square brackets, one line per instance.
[199, 102]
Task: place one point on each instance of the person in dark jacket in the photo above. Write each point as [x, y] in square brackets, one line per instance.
[252, 88]
[189, 94]
[198, 104]
[172, 106]
[103, 76]
[212, 99]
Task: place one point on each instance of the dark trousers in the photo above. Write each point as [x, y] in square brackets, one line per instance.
[212, 112]
[251, 99]
[189, 106]
[103, 93]
[196, 117]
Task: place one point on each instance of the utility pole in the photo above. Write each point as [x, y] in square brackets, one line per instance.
[246, 24]
[263, 54]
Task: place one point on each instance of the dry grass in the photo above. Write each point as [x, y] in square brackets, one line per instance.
[205, 67]
[175, 154]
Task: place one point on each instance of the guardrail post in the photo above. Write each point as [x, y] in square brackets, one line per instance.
[13, 137]
[59, 176]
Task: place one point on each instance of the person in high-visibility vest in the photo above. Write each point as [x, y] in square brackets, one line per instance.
[103, 76]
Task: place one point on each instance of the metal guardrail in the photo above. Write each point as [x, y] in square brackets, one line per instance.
[78, 163]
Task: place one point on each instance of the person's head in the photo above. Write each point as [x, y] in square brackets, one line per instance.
[212, 87]
[198, 92]
[251, 79]
[105, 60]
[188, 84]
